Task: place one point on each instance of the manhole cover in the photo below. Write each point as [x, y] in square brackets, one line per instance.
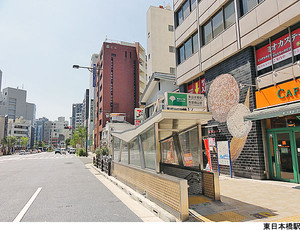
[69, 163]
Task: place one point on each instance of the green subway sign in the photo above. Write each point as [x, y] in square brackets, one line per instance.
[177, 99]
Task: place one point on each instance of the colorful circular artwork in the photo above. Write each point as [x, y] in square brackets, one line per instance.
[235, 121]
[222, 96]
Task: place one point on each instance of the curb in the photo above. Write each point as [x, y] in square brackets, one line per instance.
[152, 207]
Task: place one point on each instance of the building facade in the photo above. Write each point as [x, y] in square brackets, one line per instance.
[117, 85]
[76, 119]
[160, 41]
[14, 104]
[230, 51]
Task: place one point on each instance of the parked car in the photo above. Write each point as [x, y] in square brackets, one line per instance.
[57, 150]
[22, 152]
[72, 151]
[63, 151]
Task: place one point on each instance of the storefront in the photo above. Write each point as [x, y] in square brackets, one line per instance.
[278, 108]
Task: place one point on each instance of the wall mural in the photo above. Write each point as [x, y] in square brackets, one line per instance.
[223, 102]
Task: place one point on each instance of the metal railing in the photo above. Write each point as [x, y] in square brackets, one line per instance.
[103, 163]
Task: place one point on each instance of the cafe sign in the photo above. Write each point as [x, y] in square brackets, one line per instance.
[279, 94]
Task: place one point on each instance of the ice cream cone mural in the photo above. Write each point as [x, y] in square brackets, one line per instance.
[223, 102]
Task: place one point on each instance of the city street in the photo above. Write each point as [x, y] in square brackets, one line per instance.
[53, 188]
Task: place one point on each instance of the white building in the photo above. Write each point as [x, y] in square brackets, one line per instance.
[20, 128]
[13, 103]
[160, 41]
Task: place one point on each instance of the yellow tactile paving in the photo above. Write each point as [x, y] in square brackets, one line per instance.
[288, 219]
[226, 216]
[198, 200]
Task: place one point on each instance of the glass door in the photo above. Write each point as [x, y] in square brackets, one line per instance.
[297, 144]
[284, 156]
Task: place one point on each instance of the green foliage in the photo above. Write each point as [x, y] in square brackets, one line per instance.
[24, 141]
[81, 152]
[104, 151]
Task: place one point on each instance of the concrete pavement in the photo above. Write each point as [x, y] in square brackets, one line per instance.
[245, 200]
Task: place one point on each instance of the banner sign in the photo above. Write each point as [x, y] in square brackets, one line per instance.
[197, 87]
[92, 111]
[184, 100]
[206, 144]
[94, 75]
[138, 116]
[280, 48]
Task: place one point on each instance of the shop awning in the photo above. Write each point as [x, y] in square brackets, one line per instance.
[284, 110]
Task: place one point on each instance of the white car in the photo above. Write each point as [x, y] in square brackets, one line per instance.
[72, 151]
[22, 152]
[63, 151]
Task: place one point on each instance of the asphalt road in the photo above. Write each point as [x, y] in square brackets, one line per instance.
[48, 187]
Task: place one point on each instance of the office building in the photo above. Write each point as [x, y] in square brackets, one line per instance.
[243, 55]
[160, 41]
[117, 85]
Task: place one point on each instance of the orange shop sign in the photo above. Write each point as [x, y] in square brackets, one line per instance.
[279, 94]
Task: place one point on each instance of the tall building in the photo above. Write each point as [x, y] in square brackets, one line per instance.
[14, 104]
[160, 41]
[39, 128]
[244, 56]
[76, 118]
[20, 128]
[117, 87]
[0, 80]
[91, 111]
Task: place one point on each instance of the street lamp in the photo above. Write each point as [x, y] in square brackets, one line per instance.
[92, 70]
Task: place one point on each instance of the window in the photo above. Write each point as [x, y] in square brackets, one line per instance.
[171, 28]
[124, 154]
[181, 54]
[189, 141]
[125, 54]
[207, 33]
[116, 148]
[247, 5]
[172, 70]
[179, 17]
[188, 48]
[168, 152]
[148, 142]
[186, 9]
[224, 18]
[229, 14]
[217, 24]
[134, 153]
[279, 50]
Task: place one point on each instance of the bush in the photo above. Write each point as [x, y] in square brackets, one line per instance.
[81, 152]
[104, 151]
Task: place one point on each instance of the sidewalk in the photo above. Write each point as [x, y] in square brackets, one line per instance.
[251, 200]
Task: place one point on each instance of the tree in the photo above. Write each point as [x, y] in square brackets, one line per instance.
[78, 136]
[24, 141]
[68, 142]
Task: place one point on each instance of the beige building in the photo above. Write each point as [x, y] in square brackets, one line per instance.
[160, 41]
[244, 56]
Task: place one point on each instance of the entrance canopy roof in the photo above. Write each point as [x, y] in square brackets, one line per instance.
[284, 110]
[169, 121]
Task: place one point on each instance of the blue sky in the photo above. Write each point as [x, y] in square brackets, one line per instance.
[40, 40]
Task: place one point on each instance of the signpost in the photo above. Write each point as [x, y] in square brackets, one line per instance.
[224, 155]
[184, 100]
[138, 116]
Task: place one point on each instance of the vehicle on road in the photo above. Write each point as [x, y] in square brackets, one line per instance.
[22, 152]
[72, 151]
[57, 150]
[63, 151]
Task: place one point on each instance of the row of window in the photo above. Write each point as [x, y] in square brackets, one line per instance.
[188, 48]
[223, 19]
[130, 153]
[184, 11]
[279, 50]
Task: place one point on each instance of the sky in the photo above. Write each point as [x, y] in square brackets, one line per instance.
[40, 40]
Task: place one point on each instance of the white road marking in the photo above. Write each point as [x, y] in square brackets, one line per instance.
[26, 207]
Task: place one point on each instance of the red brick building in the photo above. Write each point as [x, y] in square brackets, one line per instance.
[117, 85]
